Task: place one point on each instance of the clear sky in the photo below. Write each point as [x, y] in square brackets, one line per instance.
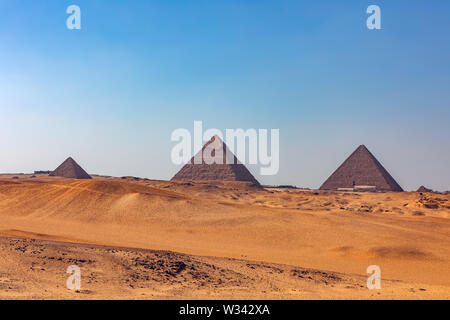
[111, 93]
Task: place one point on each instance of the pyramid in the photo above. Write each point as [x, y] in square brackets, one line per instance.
[70, 169]
[361, 169]
[201, 166]
[424, 189]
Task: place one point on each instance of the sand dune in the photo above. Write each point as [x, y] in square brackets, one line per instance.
[406, 234]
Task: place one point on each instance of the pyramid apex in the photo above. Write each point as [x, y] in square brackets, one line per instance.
[362, 148]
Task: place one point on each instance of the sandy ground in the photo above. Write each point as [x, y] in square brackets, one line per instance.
[234, 241]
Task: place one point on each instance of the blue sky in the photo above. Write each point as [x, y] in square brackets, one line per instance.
[111, 93]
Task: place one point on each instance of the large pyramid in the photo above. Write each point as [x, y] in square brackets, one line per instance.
[202, 166]
[70, 169]
[361, 169]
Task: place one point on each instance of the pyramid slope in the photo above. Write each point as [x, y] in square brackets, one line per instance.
[361, 169]
[206, 170]
[70, 169]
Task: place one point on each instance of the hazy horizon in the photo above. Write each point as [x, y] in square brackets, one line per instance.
[111, 94]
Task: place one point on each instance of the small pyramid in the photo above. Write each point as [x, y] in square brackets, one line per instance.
[202, 166]
[424, 190]
[70, 169]
[361, 169]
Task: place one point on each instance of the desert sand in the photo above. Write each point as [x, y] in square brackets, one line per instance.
[142, 239]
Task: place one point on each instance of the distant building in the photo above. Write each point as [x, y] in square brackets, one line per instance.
[359, 189]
